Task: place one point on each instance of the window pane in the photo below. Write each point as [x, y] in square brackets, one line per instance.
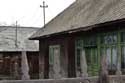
[78, 57]
[95, 56]
[79, 43]
[114, 58]
[123, 37]
[108, 54]
[53, 50]
[88, 55]
[90, 41]
[102, 51]
[51, 55]
[109, 39]
[123, 57]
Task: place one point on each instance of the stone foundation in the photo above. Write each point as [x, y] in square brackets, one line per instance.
[113, 79]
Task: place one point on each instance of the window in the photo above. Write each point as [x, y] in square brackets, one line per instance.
[122, 37]
[123, 57]
[51, 55]
[92, 60]
[54, 61]
[123, 49]
[89, 44]
[109, 38]
[111, 53]
[78, 52]
[109, 48]
[90, 41]
[53, 50]
[111, 45]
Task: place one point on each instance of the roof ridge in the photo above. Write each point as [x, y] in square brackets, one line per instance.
[19, 27]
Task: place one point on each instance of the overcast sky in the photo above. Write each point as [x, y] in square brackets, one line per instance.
[28, 12]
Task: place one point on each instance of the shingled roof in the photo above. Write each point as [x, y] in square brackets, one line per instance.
[7, 39]
[83, 13]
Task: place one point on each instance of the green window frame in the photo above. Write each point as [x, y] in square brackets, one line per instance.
[78, 49]
[122, 48]
[51, 53]
[111, 42]
[89, 43]
[109, 47]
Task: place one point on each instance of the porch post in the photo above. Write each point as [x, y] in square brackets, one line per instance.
[71, 56]
[83, 64]
[43, 64]
[65, 60]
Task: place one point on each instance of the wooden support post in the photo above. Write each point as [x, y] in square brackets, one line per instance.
[71, 56]
[64, 58]
[16, 68]
[43, 60]
[41, 67]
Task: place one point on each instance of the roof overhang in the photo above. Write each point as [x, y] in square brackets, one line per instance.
[84, 29]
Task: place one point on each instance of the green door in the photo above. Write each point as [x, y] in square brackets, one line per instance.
[92, 60]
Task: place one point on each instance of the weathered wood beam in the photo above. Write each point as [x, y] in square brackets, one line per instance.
[71, 56]
[43, 60]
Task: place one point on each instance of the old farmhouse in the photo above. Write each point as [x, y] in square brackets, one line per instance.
[71, 44]
[12, 40]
